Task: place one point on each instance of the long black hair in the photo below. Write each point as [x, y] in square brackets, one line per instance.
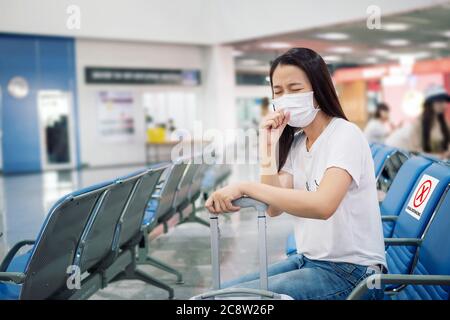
[428, 118]
[324, 92]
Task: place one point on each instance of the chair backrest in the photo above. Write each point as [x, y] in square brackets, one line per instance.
[196, 186]
[55, 247]
[391, 168]
[416, 214]
[169, 189]
[400, 190]
[381, 157]
[433, 256]
[185, 184]
[129, 227]
[97, 240]
[403, 183]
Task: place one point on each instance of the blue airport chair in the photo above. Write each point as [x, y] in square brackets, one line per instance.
[93, 232]
[159, 210]
[430, 278]
[130, 233]
[188, 210]
[41, 273]
[399, 190]
[182, 202]
[415, 216]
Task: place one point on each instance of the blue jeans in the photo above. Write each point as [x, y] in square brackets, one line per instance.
[306, 279]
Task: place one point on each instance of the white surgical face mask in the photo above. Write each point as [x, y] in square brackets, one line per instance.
[300, 106]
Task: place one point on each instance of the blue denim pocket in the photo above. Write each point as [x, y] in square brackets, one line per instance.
[352, 272]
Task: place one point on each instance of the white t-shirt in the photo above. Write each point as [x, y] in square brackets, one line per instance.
[353, 233]
[376, 131]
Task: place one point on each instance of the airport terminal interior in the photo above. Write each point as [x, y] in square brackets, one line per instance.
[125, 124]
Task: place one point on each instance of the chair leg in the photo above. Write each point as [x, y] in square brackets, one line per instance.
[165, 267]
[192, 217]
[142, 276]
[144, 258]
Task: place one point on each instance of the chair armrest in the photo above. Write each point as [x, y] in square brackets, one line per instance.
[389, 218]
[16, 277]
[12, 253]
[399, 279]
[402, 241]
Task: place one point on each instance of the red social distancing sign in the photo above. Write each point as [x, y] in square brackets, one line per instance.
[421, 194]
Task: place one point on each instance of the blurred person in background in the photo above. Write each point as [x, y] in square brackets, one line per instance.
[265, 103]
[378, 128]
[429, 133]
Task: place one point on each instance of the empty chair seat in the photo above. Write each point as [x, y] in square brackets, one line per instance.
[400, 189]
[416, 214]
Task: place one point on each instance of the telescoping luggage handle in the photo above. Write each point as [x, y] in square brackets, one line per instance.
[261, 208]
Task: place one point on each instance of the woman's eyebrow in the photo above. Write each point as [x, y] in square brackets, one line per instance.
[295, 84]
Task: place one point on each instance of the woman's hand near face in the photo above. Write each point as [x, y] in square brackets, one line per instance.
[220, 200]
[273, 125]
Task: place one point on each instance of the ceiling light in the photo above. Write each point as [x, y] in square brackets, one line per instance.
[330, 59]
[393, 27]
[370, 60]
[437, 44]
[341, 49]
[237, 53]
[276, 45]
[409, 57]
[396, 42]
[333, 36]
[381, 52]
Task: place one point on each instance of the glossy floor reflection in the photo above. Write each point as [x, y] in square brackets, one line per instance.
[26, 199]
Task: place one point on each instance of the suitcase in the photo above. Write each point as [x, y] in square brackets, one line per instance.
[241, 293]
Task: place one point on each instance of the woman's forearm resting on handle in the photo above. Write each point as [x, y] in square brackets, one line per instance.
[320, 204]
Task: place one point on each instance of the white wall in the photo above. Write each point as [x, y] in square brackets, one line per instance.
[188, 21]
[94, 151]
[253, 91]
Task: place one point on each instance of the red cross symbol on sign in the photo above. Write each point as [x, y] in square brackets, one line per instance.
[422, 193]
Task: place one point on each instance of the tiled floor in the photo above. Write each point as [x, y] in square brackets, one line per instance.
[24, 201]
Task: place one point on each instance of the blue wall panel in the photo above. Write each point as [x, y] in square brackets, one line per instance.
[21, 150]
[47, 63]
